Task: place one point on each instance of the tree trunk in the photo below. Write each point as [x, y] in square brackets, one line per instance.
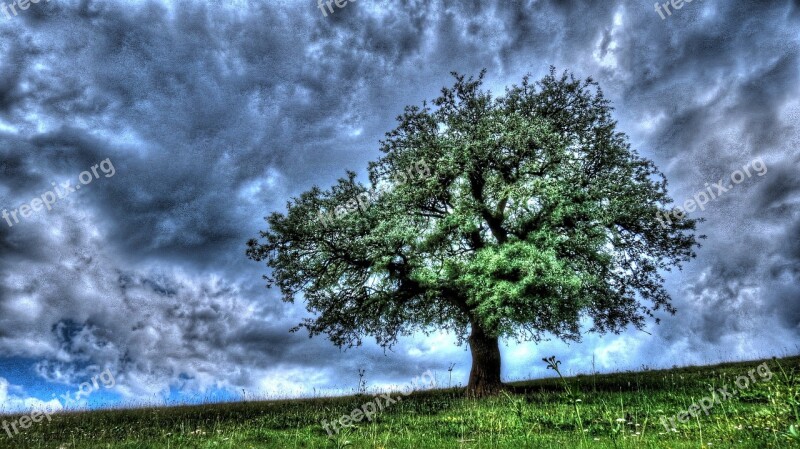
[484, 378]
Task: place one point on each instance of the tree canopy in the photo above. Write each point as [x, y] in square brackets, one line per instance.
[531, 217]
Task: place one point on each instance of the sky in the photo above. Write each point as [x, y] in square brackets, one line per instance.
[184, 123]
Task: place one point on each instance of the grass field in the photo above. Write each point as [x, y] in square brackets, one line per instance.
[621, 410]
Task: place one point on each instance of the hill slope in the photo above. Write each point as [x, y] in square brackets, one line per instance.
[622, 410]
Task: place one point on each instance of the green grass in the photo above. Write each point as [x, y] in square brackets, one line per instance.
[619, 410]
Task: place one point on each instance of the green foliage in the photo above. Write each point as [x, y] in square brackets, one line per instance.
[535, 214]
[785, 397]
[552, 364]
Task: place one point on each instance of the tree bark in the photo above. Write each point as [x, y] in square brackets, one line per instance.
[484, 377]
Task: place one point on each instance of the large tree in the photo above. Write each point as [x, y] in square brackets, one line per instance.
[526, 216]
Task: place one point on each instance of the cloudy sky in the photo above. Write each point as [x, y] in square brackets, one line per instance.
[214, 114]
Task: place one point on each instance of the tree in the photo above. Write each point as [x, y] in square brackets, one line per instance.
[534, 218]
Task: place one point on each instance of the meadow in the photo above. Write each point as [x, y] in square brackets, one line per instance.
[605, 411]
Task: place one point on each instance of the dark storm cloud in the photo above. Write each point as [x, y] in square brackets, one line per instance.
[215, 114]
[725, 102]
